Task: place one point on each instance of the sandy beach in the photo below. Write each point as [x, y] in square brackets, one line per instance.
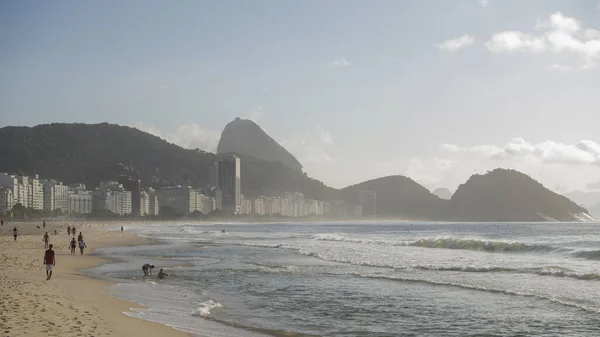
[70, 304]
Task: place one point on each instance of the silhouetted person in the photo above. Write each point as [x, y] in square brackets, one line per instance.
[73, 245]
[44, 224]
[82, 246]
[162, 274]
[46, 239]
[15, 233]
[50, 262]
[147, 269]
[69, 230]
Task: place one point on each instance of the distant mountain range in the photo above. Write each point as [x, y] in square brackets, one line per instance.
[443, 193]
[91, 153]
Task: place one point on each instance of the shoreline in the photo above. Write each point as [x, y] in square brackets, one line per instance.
[71, 303]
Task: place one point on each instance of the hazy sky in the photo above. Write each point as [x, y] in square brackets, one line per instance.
[436, 90]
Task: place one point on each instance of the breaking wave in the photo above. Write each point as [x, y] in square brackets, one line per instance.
[447, 243]
[205, 308]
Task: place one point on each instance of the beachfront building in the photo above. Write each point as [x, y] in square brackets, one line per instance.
[111, 196]
[182, 199]
[56, 195]
[36, 193]
[144, 203]
[368, 201]
[79, 202]
[6, 200]
[19, 185]
[153, 205]
[227, 177]
[135, 187]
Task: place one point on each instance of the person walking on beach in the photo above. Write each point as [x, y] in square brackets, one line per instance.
[147, 269]
[15, 233]
[50, 262]
[73, 245]
[82, 245]
[80, 237]
[69, 230]
[121, 229]
[46, 239]
[44, 224]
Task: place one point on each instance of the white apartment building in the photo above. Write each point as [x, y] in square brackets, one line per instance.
[118, 202]
[144, 203]
[36, 193]
[6, 200]
[56, 195]
[19, 185]
[78, 201]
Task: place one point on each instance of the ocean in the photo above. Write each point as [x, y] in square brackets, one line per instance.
[365, 279]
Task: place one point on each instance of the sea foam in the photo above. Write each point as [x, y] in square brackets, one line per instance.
[205, 308]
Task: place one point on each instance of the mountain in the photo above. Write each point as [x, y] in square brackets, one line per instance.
[244, 137]
[91, 153]
[443, 193]
[398, 196]
[509, 195]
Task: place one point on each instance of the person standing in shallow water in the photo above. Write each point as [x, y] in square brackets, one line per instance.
[49, 261]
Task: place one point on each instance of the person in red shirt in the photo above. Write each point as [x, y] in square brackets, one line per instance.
[49, 261]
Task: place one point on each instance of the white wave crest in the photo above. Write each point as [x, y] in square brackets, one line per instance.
[205, 308]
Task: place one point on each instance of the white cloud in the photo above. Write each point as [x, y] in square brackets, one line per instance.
[484, 3]
[585, 152]
[189, 136]
[558, 34]
[511, 41]
[456, 44]
[341, 62]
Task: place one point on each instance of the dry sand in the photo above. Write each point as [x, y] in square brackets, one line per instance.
[70, 304]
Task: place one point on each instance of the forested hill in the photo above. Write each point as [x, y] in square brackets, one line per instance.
[91, 153]
[509, 195]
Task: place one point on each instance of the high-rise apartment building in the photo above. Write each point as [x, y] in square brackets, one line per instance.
[113, 197]
[19, 185]
[135, 187]
[36, 193]
[368, 202]
[6, 200]
[79, 201]
[56, 195]
[181, 199]
[227, 176]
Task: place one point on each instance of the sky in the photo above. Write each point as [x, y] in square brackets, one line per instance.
[434, 90]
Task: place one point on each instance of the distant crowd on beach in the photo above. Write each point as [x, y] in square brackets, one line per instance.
[50, 256]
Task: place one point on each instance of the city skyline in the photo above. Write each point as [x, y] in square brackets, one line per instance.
[437, 91]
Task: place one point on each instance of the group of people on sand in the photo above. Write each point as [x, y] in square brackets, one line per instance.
[147, 269]
[49, 255]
